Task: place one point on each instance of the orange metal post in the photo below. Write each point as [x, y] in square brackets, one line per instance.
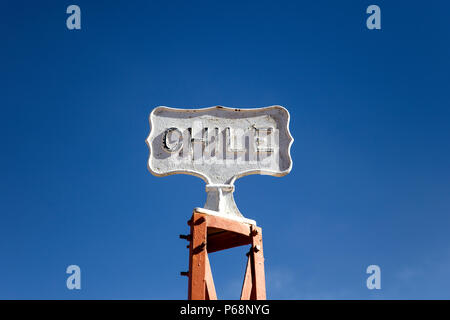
[259, 281]
[198, 256]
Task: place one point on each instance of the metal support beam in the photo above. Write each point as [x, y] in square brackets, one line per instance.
[214, 234]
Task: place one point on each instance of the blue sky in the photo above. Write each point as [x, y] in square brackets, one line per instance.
[370, 115]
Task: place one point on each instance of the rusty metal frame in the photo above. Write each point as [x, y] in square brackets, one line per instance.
[213, 234]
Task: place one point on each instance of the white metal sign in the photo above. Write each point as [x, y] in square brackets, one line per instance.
[220, 145]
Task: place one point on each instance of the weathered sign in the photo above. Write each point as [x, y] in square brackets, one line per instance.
[220, 145]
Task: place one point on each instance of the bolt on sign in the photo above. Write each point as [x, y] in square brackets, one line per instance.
[220, 145]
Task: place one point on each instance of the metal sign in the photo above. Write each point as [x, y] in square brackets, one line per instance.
[220, 145]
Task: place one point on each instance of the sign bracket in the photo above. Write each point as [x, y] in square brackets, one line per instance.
[211, 234]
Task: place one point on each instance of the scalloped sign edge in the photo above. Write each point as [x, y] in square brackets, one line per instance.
[199, 174]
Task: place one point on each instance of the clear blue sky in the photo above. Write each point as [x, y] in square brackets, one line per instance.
[370, 115]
